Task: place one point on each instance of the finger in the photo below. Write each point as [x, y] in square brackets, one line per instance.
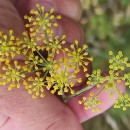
[8, 100]
[26, 115]
[39, 114]
[71, 29]
[83, 114]
[71, 8]
[67, 25]
[9, 18]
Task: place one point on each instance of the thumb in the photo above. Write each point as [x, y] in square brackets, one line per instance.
[21, 112]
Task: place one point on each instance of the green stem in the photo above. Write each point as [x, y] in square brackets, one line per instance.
[32, 71]
[43, 65]
[45, 74]
[63, 95]
[78, 93]
[46, 37]
[118, 91]
[100, 91]
[41, 55]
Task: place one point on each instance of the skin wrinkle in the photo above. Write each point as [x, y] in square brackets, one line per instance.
[65, 126]
[64, 122]
[60, 116]
[7, 119]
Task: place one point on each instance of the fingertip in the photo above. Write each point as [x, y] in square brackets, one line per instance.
[71, 29]
[71, 9]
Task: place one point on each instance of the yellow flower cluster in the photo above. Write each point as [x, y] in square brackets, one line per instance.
[39, 21]
[41, 70]
[9, 46]
[12, 75]
[78, 55]
[36, 85]
[55, 44]
[118, 64]
[123, 102]
[126, 78]
[95, 78]
[61, 80]
[40, 46]
[91, 103]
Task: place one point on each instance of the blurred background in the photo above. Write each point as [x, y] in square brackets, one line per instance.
[106, 24]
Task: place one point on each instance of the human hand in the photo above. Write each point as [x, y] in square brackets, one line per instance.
[18, 111]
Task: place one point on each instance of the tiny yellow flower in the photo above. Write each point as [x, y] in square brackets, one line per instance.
[36, 86]
[126, 78]
[28, 43]
[61, 80]
[13, 75]
[55, 44]
[34, 61]
[78, 55]
[95, 78]
[91, 103]
[118, 62]
[123, 102]
[9, 46]
[42, 21]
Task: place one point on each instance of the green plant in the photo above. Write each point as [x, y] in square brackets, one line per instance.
[39, 46]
